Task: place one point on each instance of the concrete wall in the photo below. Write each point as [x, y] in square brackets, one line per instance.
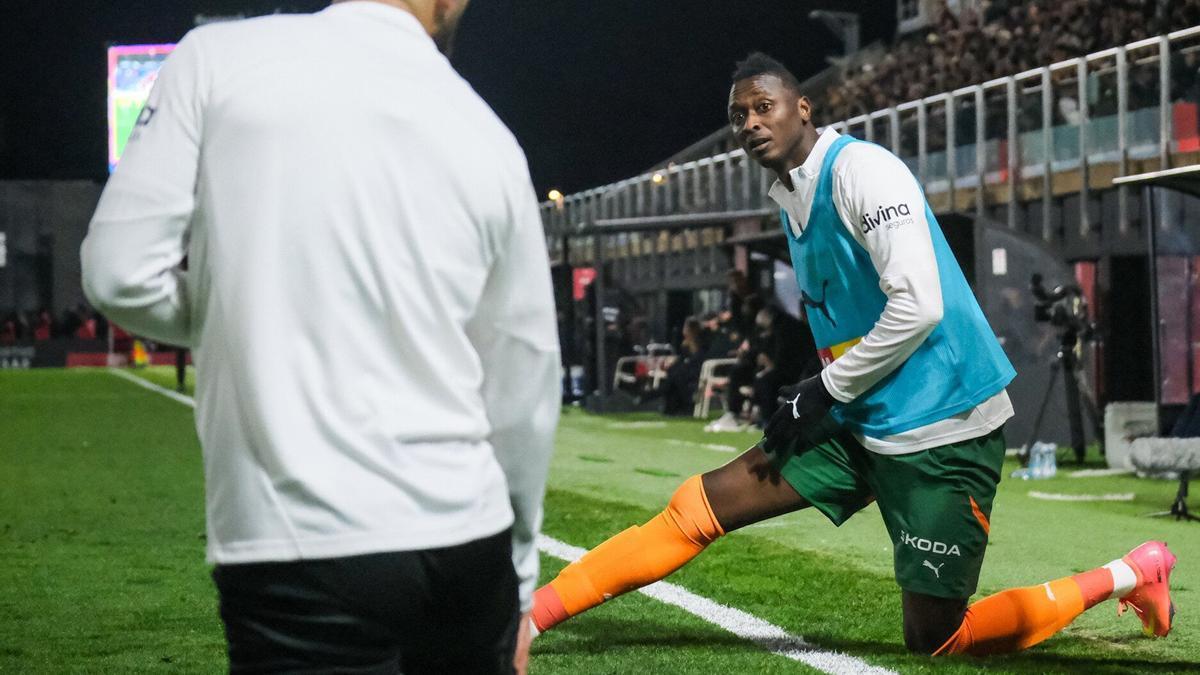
[44, 223]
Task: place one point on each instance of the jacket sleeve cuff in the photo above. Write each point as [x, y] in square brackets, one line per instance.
[838, 395]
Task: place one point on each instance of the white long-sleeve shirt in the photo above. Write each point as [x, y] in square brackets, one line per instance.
[866, 177]
[368, 296]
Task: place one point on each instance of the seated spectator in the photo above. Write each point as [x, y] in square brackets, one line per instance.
[744, 303]
[43, 327]
[678, 388]
[70, 322]
[718, 336]
[8, 330]
[616, 342]
[788, 355]
[780, 353]
[741, 381]
[91, 324]
[87, 329]
[24, 326]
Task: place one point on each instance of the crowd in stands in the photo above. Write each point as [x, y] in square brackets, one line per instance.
[770, 349]
[81, 323]
[1003, 38]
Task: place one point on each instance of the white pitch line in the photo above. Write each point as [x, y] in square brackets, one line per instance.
[746, 626]
[772, 524]
[186, 400]
[1097, 473]
[637, 425]
[717, 447]
[1056, 497]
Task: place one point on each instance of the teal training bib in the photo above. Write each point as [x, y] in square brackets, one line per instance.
[958, 366]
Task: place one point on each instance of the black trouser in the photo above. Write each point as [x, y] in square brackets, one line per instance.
[766, 393]
[448, 610]
[742, 375]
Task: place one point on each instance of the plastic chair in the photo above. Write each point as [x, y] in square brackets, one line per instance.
[714, 378]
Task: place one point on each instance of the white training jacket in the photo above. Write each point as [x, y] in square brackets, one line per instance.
[866, 176]
[368, 296]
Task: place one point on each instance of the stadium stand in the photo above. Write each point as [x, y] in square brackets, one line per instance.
[973, 46]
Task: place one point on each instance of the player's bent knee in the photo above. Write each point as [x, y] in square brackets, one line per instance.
[928, 638]
[929, 622]
[690, 512]
[923, 643]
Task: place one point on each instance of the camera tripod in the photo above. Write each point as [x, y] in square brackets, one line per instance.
[1179, 507]
[1077, 394]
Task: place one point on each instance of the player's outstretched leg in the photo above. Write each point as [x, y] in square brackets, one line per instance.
[742, 492]
[1022, 617]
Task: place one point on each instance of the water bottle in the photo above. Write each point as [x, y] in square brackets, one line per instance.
[1042, 460]
[1049, 461]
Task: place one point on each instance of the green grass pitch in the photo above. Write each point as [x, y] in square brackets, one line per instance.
[102, 551]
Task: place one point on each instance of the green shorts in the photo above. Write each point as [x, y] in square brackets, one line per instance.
[935, 503]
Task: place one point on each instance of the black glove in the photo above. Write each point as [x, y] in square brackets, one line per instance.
[807, 403]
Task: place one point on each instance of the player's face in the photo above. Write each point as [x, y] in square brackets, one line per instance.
[767, 119]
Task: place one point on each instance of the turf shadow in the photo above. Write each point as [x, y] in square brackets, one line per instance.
[599, 634]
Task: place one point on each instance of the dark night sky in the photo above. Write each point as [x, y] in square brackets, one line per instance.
[595, 90]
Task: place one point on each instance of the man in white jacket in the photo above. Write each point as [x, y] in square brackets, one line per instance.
[369, 306]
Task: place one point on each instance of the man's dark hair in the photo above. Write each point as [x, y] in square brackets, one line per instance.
[758, 63]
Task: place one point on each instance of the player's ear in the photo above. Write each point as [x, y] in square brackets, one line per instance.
[446, 14]
[804, 107]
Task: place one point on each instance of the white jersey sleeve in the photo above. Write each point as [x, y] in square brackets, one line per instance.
[516, 336]
[882, 205]
[138, 235]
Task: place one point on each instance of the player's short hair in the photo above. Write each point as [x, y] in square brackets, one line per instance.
[758, 63]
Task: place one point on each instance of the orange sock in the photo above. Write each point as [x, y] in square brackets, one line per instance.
[631, 559]
[1019, 618]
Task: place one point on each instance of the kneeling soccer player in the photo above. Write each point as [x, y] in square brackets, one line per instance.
[908, 411]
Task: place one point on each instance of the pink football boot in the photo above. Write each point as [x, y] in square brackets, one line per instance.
[1150, 599]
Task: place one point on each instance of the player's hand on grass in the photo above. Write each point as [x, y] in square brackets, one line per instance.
[806, 402]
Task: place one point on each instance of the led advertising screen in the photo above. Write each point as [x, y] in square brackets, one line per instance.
[132, 70]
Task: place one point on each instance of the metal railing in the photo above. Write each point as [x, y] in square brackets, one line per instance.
[1107, 108]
